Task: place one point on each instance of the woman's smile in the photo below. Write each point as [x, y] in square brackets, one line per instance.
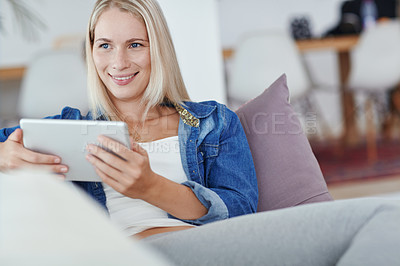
[122, 80]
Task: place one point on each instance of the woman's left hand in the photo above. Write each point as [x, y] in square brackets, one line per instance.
[127, 171]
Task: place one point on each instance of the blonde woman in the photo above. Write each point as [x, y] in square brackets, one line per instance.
[190, 163]
[190, 167]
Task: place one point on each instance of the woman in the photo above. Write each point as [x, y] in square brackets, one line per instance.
[133, 76]
[162, 194]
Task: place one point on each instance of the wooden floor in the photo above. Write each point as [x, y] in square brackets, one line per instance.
[355, 189]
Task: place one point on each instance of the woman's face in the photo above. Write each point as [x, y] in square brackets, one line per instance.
[121, 55]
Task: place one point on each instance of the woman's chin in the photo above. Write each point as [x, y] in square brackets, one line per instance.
[125, 97]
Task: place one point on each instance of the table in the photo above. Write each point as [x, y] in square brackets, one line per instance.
[342, 45]
[12, 73]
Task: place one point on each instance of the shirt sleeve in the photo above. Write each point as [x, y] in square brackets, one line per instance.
[5, 132]
[231, 184]
[217, 209]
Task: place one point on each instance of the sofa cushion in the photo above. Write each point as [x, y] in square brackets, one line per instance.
[287, 171]
[46, 221]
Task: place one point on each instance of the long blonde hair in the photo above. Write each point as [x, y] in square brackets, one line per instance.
[165, 83]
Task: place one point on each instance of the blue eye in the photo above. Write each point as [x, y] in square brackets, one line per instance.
[104, 45]
[135, 45]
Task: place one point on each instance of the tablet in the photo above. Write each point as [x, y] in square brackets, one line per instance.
[68, 140]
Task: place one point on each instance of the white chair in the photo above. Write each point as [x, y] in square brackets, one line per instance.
[53, 79]
[375, 68]
[259, 59]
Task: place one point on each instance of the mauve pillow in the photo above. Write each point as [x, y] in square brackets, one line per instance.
[287, 171]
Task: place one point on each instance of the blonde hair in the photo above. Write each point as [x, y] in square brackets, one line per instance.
[165, 84]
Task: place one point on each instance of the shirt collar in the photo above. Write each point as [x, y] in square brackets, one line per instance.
[191, 112]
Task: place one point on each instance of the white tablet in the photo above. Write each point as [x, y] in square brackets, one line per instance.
[68, 139]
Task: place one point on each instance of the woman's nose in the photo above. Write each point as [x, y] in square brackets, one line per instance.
[121, 60]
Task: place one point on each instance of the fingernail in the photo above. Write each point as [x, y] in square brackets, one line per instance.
[57, 160]
[64, 169]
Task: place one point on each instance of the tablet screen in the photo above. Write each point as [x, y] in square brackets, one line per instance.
[68, 139]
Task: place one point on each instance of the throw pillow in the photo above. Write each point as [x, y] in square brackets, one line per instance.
[287, 171]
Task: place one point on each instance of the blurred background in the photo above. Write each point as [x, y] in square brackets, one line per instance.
[342, 59]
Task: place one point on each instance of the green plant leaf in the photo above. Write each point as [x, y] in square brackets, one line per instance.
[28, 22]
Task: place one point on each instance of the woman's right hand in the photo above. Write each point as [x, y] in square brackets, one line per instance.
[13, 155]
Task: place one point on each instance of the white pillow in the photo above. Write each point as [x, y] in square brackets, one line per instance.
[45, 221]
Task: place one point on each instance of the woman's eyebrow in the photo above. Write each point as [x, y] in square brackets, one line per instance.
[103, 40]
[136, 39]
[128, 41]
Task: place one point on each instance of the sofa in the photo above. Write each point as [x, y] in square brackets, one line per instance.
[45, 221]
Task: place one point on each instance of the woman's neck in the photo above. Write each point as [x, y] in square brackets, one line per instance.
[159, 122]
[134, 112]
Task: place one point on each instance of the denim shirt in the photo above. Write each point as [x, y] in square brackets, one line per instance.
[215, 156]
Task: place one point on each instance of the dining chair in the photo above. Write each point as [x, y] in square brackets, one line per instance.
[375, 69]
[259, 59]
[53, 79]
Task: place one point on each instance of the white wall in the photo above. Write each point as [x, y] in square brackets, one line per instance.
[192, 26]
[61, 18]
[235, 17]
[194, 29]
[238, 16]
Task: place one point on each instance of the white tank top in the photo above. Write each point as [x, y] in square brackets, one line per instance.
[134, 215]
